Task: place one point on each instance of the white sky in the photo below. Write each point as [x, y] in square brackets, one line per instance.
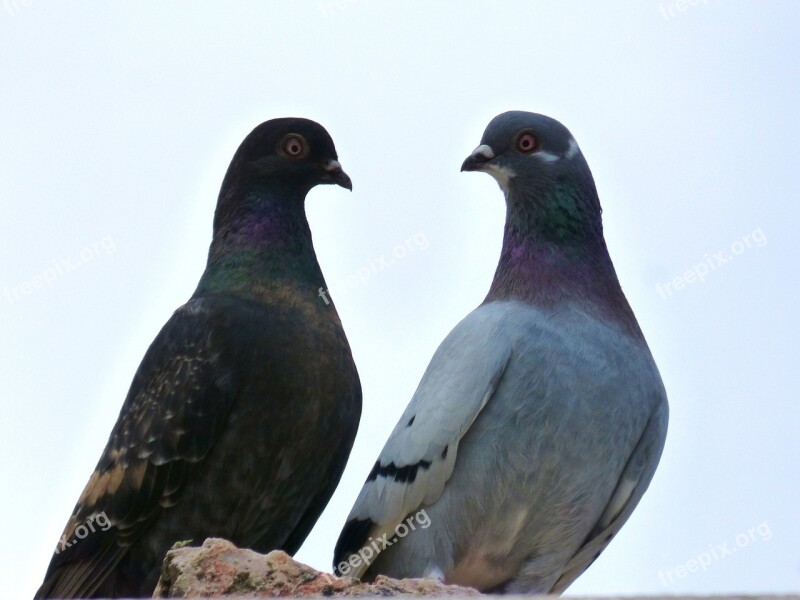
[118, 122]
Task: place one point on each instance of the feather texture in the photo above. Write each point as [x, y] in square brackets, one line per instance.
[540, 420]
[226, 430]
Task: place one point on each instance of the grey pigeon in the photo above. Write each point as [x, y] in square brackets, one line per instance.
[541, 418]
[242, 414]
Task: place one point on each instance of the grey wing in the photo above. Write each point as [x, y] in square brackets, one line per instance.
[420, 454]
[631, 487]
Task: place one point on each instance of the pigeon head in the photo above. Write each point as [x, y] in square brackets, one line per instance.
[260, 224]
[274, 168]
[553, 247]
[545, 178]
[287, 153]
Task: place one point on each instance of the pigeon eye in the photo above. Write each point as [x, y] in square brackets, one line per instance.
[294, 146]
[527, 142]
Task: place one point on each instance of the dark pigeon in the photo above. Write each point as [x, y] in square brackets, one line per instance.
[540, 420]
[242, 414]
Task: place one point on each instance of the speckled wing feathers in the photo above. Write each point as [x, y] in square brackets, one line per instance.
[171, 418]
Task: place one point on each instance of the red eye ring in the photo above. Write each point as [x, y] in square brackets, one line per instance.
[294, 146]
[527, 142]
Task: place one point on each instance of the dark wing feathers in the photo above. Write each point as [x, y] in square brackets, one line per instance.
[314, 507]
[353, 537]
[174, 412]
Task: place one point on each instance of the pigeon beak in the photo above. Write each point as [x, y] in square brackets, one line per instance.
[479, 157]
[335, 174]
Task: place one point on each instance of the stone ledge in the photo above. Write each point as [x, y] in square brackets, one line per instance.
[218, 569]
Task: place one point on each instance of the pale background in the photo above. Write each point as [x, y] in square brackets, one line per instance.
[117, 122]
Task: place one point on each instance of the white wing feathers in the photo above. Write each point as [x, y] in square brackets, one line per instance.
[420, 454]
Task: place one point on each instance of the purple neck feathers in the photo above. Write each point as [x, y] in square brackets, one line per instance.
[547, 273]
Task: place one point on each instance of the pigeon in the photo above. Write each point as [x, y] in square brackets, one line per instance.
[244, 409]
[541, 417]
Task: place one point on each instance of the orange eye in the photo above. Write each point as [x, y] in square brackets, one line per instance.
[294, 146]
[527, 142]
